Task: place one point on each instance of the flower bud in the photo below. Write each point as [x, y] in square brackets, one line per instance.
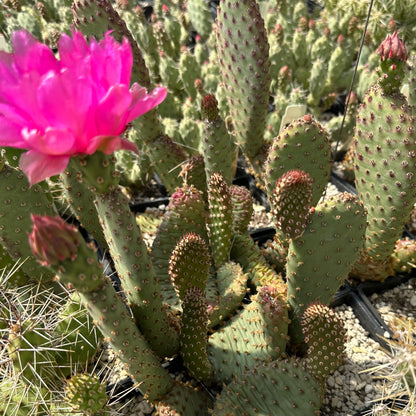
[209, 107]
[52, 240]
[392, 48]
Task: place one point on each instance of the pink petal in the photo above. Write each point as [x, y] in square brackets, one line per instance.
[109, 144]
[31, 55]
[53, 142]
[144, 104]
[73, 49]
[112, 111]
[38, 166]
[10, 133]
[65, 103]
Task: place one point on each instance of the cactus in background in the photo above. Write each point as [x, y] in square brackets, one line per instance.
[243, 56]
[384, 152]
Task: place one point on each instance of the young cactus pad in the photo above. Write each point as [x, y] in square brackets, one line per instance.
[320, 260]
[303, 145]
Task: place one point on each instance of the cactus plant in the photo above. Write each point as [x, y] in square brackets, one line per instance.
[388, 197]
[203, 290]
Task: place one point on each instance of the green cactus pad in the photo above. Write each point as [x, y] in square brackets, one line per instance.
[218, 145]
[231, 283]
[189, 263]
[321, 259]
[385, 164]
[194, 336]
[280, 388]
[220, 223]
[184, 400]
[188, 268]
[243, 55]
[325, 336]
[81, 200]
[258, 334]
[247, 253]
[242, 207]
[86, 393]
[185, 213]
[19, 201]
[303, 145]
[291, 201]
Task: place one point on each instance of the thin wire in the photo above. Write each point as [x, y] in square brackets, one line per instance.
[353, 78]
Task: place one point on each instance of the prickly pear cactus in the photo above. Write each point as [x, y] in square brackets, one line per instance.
[336, 231]
[280, 388]
[303, 145]
[87, 394]
[243, 55]
[384, 162]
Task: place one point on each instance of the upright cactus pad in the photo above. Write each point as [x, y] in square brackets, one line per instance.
[325, 336]
[303, 145]
[291, 201]
[188, 268]
[185, 213]
[218, 145]
[243, 54]
[320, 260]
[256, 335]
[385, 162]
[242, 203]
[220, 219]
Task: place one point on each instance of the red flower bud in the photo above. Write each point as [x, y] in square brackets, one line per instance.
[52, 240]
[209, 107]
[392, 48]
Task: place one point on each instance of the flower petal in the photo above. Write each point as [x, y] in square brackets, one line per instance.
[54, 142]
[10, 133]
[31, 55]
[143, 104]
[112, 110]
[109, 144]
[38, 166]
[66, 102]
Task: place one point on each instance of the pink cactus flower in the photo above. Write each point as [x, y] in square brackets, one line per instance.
[75, 105]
